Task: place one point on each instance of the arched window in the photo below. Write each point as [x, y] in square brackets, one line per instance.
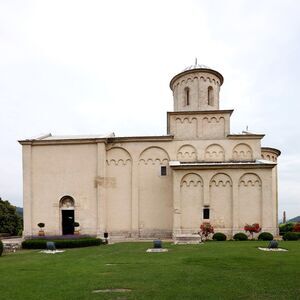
[210, 96]
[66, 202]
[187, 96]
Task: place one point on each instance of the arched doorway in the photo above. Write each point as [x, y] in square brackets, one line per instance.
[66, 205]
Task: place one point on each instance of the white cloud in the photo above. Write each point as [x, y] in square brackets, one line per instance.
[90, 66]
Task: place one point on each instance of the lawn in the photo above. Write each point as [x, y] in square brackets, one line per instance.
[214, 270]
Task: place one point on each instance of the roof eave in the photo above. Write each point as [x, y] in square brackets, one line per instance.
[270, 149]
[230, 165]
[246, 136]
[204, 70]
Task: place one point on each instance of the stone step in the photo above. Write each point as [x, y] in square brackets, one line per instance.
[187, 239]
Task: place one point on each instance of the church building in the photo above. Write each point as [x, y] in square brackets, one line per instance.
[155, 186]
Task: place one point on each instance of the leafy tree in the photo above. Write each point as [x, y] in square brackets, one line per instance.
[254, 228]
[205, 230]
[10, 221]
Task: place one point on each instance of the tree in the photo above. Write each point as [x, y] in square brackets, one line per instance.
[254, 228]
[205, 230]
[10, 221]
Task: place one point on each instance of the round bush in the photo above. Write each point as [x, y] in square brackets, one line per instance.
[290, 236]
[265, 236]
[219, 236]
[1, 247]
[240, 237]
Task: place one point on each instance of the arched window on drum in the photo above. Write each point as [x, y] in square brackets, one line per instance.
[210, 96]
[187, 96]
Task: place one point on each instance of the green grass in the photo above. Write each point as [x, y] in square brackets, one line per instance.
[214, 270]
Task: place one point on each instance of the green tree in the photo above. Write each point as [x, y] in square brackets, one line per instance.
[10, 221]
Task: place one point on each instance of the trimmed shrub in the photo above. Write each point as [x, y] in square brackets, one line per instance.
[59, 244]
[291, 236]
[240, 237]
[34, 244]
[1, 247]
[62, 237]
[265, 236]
[286, 227]
[41, 225]
[219, 236]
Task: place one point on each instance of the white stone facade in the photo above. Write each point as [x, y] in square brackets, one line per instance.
[155, 186]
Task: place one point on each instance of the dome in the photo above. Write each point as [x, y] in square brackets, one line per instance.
[196, 66]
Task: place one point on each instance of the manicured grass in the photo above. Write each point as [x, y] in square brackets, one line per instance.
[214, 270]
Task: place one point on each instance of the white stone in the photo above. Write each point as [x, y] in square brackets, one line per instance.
[52, 251]
[272, 249]
[157, 250]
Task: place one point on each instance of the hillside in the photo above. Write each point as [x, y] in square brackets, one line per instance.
[296, 219]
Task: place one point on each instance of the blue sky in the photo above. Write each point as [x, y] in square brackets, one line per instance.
[92, 67]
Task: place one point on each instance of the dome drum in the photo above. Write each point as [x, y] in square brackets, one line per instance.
[197, 88]
[270, 154]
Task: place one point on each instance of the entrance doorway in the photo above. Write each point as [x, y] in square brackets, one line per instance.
[67, 208]
[67, 221]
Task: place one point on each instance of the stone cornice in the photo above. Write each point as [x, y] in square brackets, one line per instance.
[201, 112]
[176, 165]
[245, 136]
[272, 150]
[141, 138]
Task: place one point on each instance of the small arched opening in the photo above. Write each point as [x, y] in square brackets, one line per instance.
[187, 96]
[67, 207]
[210, 96]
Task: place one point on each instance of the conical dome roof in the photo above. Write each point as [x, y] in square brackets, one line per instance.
[198, 67]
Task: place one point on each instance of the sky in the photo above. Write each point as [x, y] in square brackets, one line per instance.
[94, 67]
